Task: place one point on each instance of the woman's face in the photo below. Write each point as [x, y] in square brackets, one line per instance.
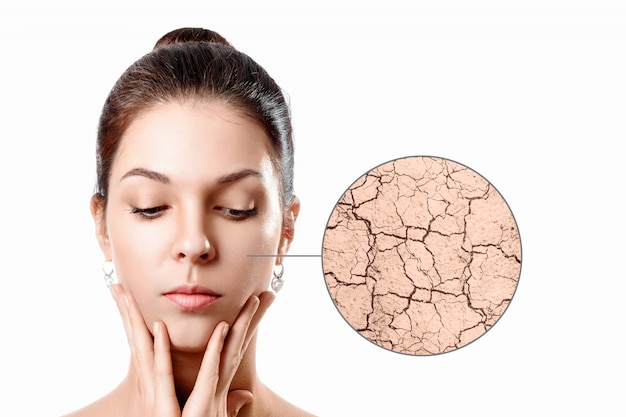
[192, 194]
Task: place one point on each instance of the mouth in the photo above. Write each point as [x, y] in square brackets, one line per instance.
[191, 298]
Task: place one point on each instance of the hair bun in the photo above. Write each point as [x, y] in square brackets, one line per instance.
[184, 35]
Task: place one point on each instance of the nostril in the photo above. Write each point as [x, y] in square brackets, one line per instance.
[204, 256]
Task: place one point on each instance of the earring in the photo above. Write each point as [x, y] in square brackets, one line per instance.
[107, 268]
[277, 279]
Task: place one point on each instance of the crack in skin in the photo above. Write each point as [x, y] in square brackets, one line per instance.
[421, 255]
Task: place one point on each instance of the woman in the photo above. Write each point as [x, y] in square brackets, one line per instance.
[195, 174]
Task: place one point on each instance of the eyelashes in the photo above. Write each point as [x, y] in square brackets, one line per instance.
[237, 215]
[149, 213]
[152, 213]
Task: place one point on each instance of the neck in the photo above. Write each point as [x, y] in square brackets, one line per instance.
[186, 367]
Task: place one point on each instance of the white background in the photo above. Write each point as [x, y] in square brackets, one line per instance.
[530, 94]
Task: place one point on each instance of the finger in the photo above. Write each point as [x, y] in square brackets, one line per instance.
[122, 302]
[236, 400]
[139, 338]
[209, 373]
[266, 299]
[143, 346]
[118, 295]
[165, 391]
[233, 348]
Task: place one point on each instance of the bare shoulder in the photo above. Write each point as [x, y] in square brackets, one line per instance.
[290, 410]
[294, 411]
[113, 405]
[283, 408]
[104, 407]
[92, 410]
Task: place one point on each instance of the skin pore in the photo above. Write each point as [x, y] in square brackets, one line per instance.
[192, 192]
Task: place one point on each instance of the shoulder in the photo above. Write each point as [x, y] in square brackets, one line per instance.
[291, 410]
[88, 411]
[297, 412]
[106, 406]
[284, 408]
[92, 410]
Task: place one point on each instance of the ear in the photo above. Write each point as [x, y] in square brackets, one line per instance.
[289, 224]
[98, 211]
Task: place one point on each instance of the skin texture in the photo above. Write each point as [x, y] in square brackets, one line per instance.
[421, 255]
[186, 205]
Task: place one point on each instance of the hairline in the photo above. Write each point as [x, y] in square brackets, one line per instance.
[200, 99]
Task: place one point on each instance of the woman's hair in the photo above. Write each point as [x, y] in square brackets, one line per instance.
[193, 64]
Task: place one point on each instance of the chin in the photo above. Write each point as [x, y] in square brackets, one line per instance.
[190, 336]
[187, 348]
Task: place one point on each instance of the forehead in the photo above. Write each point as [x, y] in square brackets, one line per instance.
[193, 141]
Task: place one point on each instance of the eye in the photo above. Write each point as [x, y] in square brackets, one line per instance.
[237, 215]
[149, 213]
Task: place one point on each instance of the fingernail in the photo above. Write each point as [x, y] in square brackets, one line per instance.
[225, 327]
[156, 329]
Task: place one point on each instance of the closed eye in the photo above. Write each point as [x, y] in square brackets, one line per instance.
[149, 213]
[237, 215]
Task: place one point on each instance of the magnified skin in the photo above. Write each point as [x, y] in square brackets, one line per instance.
[421, 255]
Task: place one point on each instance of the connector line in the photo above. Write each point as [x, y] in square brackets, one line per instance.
[285, 256]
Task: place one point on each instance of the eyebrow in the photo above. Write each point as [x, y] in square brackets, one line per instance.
[164, 179]
[228, 178]
[142, 172]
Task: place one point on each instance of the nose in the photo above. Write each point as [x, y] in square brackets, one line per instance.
[192, 242]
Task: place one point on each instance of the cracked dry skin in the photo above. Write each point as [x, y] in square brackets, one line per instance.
[421, 255]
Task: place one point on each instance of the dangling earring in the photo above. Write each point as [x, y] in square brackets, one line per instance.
[277, 279]
[107, 268]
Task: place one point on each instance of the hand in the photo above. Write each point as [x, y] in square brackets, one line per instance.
[210, 396]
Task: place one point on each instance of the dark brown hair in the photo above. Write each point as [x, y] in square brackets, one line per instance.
[197, 64]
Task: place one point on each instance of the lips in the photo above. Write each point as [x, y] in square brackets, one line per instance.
[191, 298]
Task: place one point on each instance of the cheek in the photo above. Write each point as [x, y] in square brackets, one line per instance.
[139, 255]
[136, 252]
[237, 246]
